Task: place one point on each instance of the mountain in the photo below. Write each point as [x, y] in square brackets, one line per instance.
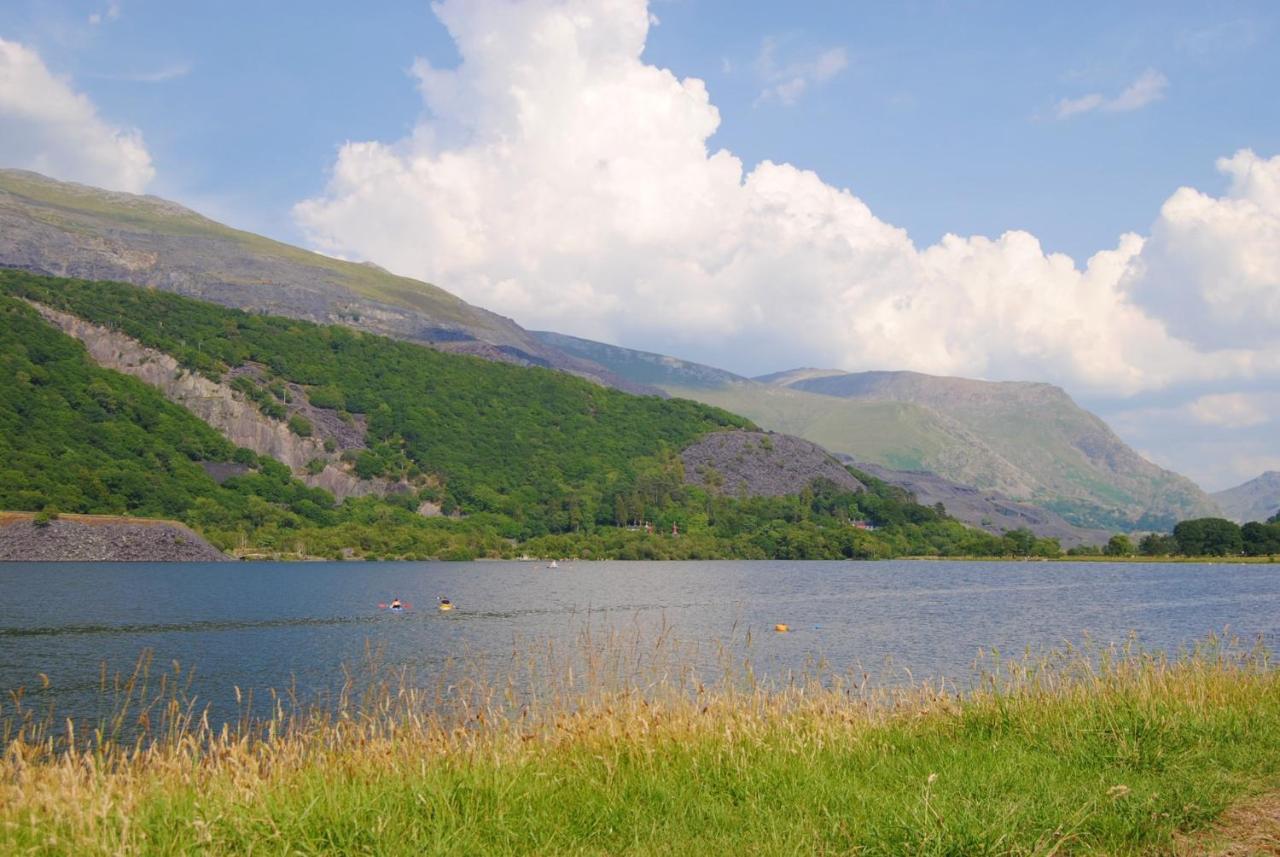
[73, 230]
[270, 434]
[1027, 442]
[644, 367]
[1256, 500]
[987, 510]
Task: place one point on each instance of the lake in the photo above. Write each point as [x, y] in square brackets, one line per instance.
[262, 625]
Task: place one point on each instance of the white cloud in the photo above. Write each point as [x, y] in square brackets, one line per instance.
[47, 126]
[1148, 88]
[558, 178]
[1211, 269]
[786, 83]
[1230, 410]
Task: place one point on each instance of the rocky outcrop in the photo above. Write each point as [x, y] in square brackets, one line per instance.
[218, 405]
[92, 538]
[760, 464]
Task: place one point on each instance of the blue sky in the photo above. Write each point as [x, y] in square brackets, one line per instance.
[593, 200]
[941, 121]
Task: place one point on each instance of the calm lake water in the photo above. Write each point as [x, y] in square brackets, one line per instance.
[261, 625]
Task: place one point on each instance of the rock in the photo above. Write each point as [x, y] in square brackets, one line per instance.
[222, 407]
[92, 538]
[761, 464]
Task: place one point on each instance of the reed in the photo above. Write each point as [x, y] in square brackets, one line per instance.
[628, 743]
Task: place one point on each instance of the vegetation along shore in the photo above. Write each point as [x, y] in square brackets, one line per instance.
[625, 748]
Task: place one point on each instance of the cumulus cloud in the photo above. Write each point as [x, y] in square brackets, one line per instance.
[1211, 269]
[1148, 88]
[46, 126]
[786, 83]
[557, 177]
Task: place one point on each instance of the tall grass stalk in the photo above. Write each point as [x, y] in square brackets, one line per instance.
[623, 744]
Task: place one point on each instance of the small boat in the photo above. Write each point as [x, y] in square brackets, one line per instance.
[396, 606]
[554, 564]
[445, 604]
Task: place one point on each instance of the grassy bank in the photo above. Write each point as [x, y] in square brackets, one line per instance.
[625, 750]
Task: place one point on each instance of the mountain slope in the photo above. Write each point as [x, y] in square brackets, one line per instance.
[487, 459]
[1075, 463]
[73, 230]
[1256, 500]
[1025, 441]
[986, 510]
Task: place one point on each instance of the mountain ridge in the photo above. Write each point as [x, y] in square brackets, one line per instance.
[1255, 500]
[74, 230]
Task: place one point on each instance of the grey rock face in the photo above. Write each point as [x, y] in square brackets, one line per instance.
[220, 406]
[758, 464]
[82, 538]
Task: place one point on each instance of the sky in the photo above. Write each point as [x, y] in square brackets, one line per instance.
[1087, 195]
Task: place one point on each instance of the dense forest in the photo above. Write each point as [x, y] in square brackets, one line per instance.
[519, 459]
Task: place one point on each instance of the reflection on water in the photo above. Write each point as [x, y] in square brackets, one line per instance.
[264, 625]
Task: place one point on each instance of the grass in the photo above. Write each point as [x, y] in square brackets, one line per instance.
[620, 747]
[68, 206]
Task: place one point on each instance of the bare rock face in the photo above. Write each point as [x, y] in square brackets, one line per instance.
[90, 538]
[218, 405]
[760, 464]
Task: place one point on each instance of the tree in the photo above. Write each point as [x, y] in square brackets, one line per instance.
[1119, 545]
[1157, 544]
[1020, 542]
[1261, 539]
[1208, 537]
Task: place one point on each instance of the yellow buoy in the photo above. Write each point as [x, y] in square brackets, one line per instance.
[781, 629]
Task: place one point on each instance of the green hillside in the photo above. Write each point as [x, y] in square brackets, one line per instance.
[527, 458]
[78, 438]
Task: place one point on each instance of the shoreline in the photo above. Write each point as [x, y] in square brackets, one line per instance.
[1116, 750]
[120, 538]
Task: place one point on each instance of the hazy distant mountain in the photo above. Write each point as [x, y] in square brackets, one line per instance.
[987, 510]
[1024, 441]
[1256, 500]
[73, 230]
[644, 367]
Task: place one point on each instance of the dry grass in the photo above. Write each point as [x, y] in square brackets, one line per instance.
[623, 745]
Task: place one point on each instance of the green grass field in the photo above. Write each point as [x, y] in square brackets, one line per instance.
[1083, 752]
